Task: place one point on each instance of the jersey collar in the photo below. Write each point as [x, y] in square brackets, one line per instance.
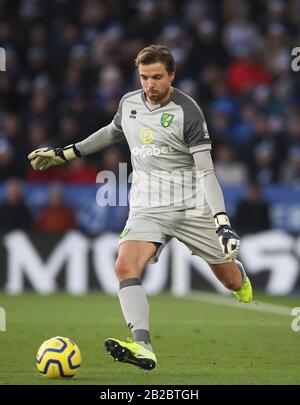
[153, 107]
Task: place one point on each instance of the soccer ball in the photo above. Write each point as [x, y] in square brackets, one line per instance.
[58, 357]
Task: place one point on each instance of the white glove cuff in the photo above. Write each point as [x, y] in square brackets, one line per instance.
[69, 152]
[221, 219]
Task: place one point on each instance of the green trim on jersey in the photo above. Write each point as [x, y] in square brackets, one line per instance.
[124, 233]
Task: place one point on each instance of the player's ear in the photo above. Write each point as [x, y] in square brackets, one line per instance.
[172, 76]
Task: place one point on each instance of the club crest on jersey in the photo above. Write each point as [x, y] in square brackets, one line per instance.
[166, 119]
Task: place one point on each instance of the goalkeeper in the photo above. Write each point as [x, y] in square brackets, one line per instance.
[166, 133]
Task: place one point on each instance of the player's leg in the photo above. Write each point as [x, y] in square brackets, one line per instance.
[198, 233]
[233, 276]
[229, 274]
[132, 258]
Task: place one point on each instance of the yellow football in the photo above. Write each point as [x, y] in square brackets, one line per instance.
[58, 357]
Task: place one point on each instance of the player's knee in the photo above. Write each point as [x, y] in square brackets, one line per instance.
[124, 268]
[232, 285]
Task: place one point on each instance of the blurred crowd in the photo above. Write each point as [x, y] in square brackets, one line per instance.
[70, 61]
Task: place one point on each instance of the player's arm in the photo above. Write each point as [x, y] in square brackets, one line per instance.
[198, 141]
[44, 158]
[229, 240]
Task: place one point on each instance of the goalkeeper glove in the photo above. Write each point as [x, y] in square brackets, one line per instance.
[44, 158]
[229, 240]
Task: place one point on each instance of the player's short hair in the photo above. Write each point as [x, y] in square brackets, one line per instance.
[156, 53]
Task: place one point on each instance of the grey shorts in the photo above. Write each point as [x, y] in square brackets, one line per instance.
[198, 233]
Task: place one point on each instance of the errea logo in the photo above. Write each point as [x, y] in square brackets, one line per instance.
[133, 114]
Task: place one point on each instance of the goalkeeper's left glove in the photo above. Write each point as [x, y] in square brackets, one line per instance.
[229, 240]
[44, 158]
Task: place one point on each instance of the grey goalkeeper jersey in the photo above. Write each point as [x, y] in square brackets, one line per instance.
[162, 140]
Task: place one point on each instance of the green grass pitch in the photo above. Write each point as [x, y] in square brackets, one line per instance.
[196, 341]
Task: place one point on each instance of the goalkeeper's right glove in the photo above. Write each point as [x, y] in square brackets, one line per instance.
[229, 240]
[44, 158]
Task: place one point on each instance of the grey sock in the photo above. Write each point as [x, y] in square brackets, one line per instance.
[142, 336]
[135, 309]
[242, 270]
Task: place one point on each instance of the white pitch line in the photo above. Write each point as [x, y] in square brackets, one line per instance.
[252, 306]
